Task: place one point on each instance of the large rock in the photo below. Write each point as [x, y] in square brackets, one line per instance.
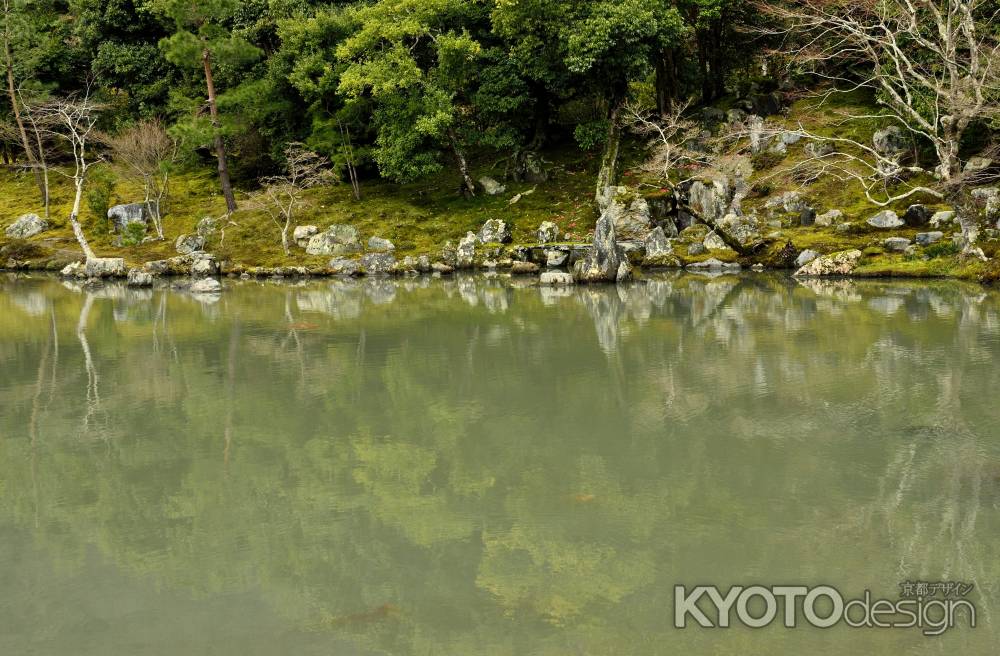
[466, 253]
[28, 225]
[378, 263]
[805, 257]
[72, 270]
[740, 227]
[790, 202]
[987, 200]
[548, 232]
[659, 250]
[834, 264]
[380, 245]
[629, 212]
[338, 239]
[122, 215]
[601, 262]
[206, 286]
[204, 265]
[827, 219]
[556, 278]
[490, 186]
[555, 258]
[524, 268]
[917, 215]
[713, 264]
[342, 266]
[714, 242]
[303, 233]
[187, 244]
[494, 231]
[928, 238]
[890, 141]
[709, 200]
[139, 278]
[896, 244]
[942, 218]
[885, 219]
[105, 267]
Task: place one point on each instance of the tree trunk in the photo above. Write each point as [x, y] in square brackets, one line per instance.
[666, 82]
[75, 221]
[468, 186]
[220, 147]
[16, 108]
[718, 68]
[607, 175]
[706, 82]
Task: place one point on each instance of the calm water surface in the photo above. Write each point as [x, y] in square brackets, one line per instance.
[475, 466]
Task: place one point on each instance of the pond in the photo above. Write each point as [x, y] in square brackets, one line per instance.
[482, 466]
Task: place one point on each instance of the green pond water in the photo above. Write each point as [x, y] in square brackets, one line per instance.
[479, 466]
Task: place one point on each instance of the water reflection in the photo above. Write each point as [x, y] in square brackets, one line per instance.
[480, 464]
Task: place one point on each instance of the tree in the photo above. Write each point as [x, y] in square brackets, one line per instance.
[933, 64]
[417, 60]
[73, 120]
[199, 40]
[147, 151]
[281, 195]
[14, 27]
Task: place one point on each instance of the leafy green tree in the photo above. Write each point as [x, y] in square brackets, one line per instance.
[202, 38]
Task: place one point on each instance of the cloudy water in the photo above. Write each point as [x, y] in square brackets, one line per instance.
[479, 466]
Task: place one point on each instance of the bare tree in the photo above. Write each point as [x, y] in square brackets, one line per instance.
[670, 138]
[44, 147]
[349, 159]
[11, 25]
[72, 120]
[281, 195]
[935, 64]
[147, 151]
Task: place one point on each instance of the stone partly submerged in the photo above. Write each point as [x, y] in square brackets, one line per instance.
[105, 267]
[139, 278]
[602, 261]
[834, 264]
[206, 286]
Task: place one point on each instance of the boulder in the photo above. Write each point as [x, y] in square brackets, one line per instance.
[139, 278]
[302, 234]
[490, 186]
[187, 244]
[740, 227]
[494, 231]
[378, 263]
[342, 266]
[548, 232]
[987, 200]
[709, 200]
[122, 215]
[896, 244]
[624, 273]
[524, 268]
[890, 141]
[834, 264]
[790, 202]
[338, 239]
[884, 220]
[714, 242]
[917, 215]
[713, 264]
[556, 278]
[466, 252]
[697, 248]
[27, 225]
[423, 263]
[827, 219]
[555, 258]
[629, 212]
[942, 218]
[105, 267]
[206, 286]
[204, 265]
[928, 238]
[805, 257]
[380, 245]
[442, 268]
[600, 264]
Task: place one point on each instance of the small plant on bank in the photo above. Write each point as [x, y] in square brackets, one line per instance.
[133, 234]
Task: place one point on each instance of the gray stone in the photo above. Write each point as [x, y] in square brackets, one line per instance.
[624, 273]
[206, 286]
[928, 238]
[105, 267]
[423, 263]
[204, 265]
[710, 200]
[303, 233]
[548, 232]
[743, 229]
[139, 278]
[834, 264]
[122, 215]
[942, 218]
[338, 239]
[494, 231]
[601, 261]
[826, 219]
[555, 258]
[987, 199]
[843, 228]
[343, 266]
[657, 244]
[187, 244]
[714, 242]
[805, 257]
[27, 225]
[917, 215]
[380, 245]
[885, 219]
[896, 244]
[378, 263]
[629, 212]
[790, 202]
[713, 264]
[466, 253]
[523, 268]
[441, 268]
[890, 141]
[807, 217]
[697, 249]
[491, 187]
[556, 278]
